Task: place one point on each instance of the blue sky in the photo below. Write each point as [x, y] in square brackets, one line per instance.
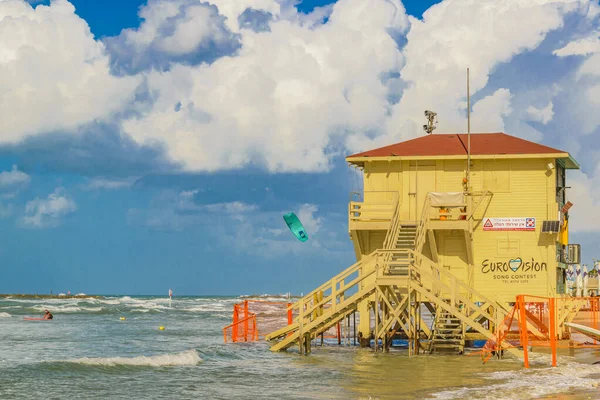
[154, 145]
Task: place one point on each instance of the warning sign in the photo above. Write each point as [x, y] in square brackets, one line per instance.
[509, 224]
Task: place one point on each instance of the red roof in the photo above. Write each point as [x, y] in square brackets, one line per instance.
[456, 145]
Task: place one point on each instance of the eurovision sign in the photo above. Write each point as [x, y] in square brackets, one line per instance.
[509, 224]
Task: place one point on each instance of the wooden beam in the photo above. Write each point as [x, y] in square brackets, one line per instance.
[433, 246]
[469, 243]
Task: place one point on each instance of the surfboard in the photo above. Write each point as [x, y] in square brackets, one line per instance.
[586, 330]
[36, 319]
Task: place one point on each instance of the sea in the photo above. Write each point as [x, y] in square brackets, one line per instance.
[113, 348]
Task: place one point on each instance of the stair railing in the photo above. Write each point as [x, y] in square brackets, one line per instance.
[423, 226]
[394, 228]
[456, 290]
[332, 291]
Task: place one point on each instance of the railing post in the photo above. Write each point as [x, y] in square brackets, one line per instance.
[255, 328]
[234, 327]
[333, 296]
[290, 315]
[246, 320]
[300, 323]
[552, 311]
[523, 329]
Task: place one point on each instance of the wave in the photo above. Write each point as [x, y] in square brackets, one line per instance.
[5, 315]
[525, 384]
[186, 358]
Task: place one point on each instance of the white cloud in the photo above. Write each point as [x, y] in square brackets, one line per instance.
[172, 31]
[488, 113]
[580, 47]
[53, 74]
[307, 215]
[14, 177]
[42, 213]
[543, 115]
[283, 98]
[585, 195]
[454, 35]
[108, 184]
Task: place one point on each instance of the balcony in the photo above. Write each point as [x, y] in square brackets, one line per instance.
[374, 213]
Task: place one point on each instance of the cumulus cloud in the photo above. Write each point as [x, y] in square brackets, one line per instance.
[284, 99]
[585, 195]
[48, 212]
[489, 112]
[454, 35]
[182, 31]
[543, 115]
[580, 47]
[12, 178]
[53, 74]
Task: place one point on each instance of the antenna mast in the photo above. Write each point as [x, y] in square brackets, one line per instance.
[468, 134]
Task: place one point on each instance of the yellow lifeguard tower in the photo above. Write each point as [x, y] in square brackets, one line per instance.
[450, 226]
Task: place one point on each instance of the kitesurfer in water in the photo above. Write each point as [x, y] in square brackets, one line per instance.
[48, 315]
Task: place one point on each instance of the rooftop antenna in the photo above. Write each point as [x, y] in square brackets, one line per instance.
[430, 115]
[468, 133]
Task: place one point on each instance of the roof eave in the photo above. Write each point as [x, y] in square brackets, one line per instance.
[570, 162]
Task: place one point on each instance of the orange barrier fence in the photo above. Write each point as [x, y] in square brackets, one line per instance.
[253, 319]
[253, 316]
[547, 322]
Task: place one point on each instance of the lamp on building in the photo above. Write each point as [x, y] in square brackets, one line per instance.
[550, 166]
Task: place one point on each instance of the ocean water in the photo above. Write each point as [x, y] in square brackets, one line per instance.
[87, 352]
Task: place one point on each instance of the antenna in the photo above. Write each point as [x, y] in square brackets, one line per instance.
[430, 115]
[468, 133]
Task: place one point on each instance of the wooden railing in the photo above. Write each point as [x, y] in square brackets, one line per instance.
[381, 210]
[394, 228]
[442, 283]
[423, 226]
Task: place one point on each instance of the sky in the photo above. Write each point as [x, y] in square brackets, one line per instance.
[148, 145]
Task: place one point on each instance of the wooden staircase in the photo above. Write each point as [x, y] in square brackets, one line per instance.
[313, 318]
[448, 333]
[405, 240]
[395, 280]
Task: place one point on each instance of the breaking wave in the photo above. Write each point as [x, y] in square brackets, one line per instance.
[189, 357]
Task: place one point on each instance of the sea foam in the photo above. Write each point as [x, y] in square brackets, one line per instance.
[527, 384]
[189, 357]
[4, 315]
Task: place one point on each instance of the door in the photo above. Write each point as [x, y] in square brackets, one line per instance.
[422, 181]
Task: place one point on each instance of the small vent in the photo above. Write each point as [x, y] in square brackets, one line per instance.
[551, 226]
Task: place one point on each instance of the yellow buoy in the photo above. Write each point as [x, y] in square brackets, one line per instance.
[122, 318]
[161, 328]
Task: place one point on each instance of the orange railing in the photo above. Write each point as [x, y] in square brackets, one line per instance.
[543, 321]
[250, 314]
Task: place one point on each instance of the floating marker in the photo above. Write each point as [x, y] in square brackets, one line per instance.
[122, 318]
[161, 328]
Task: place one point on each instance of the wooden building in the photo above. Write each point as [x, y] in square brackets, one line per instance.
[456, 231]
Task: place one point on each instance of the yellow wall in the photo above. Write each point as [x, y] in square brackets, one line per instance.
[520, 187]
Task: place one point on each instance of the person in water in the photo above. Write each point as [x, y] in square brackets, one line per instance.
[48, 315]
